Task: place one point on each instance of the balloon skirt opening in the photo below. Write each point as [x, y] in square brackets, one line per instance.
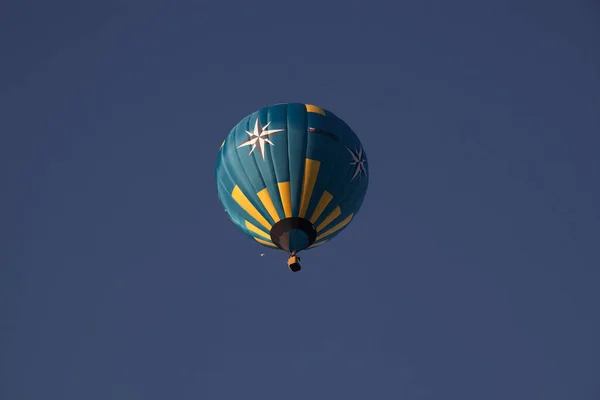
[293, 234]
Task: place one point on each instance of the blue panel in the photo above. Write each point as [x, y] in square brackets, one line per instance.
[279, 158]
[298, 240]
[297, 137]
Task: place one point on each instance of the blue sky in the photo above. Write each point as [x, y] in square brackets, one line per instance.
[470, 272]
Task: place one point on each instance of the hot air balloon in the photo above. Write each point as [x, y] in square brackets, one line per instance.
[292, 176]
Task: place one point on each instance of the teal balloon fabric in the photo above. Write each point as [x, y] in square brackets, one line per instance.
[292, 176]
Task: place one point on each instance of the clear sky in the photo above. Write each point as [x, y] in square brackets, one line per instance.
[471, 272]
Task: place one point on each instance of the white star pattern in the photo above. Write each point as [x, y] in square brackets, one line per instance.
[261, 136]
[358, 160]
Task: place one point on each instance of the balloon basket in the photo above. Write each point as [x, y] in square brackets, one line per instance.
[294, 263]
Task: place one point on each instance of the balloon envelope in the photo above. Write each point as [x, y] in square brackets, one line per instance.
[292, 176]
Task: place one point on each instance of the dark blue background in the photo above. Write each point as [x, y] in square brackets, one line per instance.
[471, 271]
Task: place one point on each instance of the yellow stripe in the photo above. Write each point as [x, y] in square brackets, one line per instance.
[257, 230]
[317, 244]
[286, 198]
[334, 214]
[314, 109]
[265, 198]
[222, 144]
[336, 228]
[243, 201]
[264, 242]
[325, 199]
[311, 172]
